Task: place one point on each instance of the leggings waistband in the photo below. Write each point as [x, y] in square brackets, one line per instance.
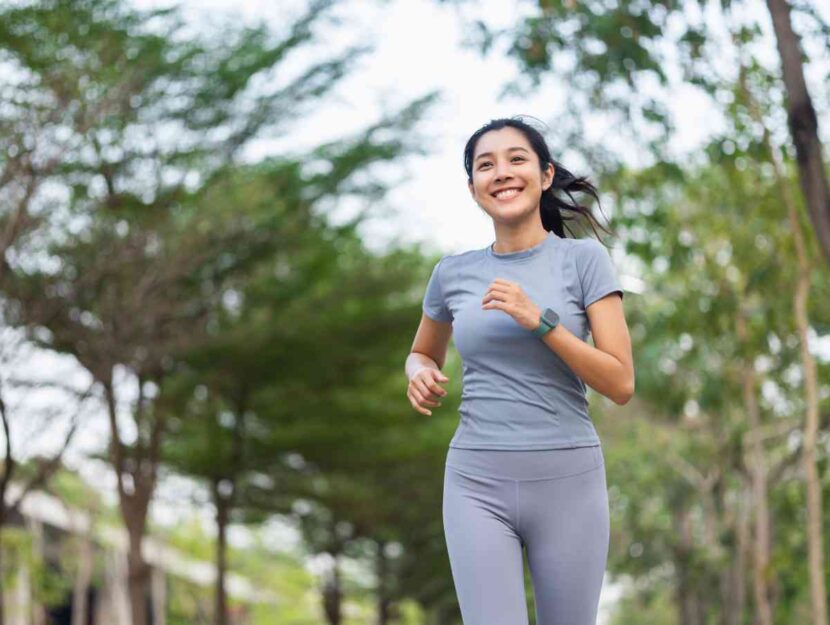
[525, 464]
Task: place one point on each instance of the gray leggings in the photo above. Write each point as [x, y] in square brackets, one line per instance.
[554, 503]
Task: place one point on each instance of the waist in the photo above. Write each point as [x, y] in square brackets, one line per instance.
[515, 425]
[525, 464]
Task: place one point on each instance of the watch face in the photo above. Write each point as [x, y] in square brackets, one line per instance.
[551, 317]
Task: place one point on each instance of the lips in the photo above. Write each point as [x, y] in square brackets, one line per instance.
[508, 193]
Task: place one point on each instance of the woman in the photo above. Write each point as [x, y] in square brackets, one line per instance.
[525, 467]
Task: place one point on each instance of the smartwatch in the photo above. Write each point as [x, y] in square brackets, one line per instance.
[547, 322]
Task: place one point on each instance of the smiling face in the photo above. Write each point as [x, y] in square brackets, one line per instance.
[507, 178]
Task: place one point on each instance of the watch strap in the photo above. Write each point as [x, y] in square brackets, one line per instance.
[545, 325]
[543, 328]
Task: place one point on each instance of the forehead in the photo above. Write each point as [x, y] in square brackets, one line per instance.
[501, 140]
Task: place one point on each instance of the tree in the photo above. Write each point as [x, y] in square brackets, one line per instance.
[312, 319]
[27, 477]
[618, 58]
[710, 318]
[127, 267]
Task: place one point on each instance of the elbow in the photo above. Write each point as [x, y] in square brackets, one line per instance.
[624, 394]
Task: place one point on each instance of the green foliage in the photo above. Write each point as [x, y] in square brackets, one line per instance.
[710, 244]
[219, 287]
[647, 607]
[47, 577]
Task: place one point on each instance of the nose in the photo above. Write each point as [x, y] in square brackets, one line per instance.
[502, 170]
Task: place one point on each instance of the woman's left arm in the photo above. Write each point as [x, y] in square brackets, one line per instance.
[608, 367]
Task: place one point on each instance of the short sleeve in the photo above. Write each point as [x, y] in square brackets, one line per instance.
[434, 305]
[597, 274]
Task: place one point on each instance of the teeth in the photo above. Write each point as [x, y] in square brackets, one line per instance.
[507, 193]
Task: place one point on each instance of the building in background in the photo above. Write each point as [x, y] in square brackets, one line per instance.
[64, 567]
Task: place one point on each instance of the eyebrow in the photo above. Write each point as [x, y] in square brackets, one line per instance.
[491, 154]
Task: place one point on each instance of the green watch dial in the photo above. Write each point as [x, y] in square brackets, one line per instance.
[547, 322]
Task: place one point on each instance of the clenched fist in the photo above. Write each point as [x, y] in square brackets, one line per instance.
[509, 297]
[424, 390]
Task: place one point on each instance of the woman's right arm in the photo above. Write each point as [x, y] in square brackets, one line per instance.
[423, 365]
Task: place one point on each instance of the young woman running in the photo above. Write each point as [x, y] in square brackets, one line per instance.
[525, 468]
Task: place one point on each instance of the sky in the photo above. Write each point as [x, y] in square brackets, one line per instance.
[417, 50]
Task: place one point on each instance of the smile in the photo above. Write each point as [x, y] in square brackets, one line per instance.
[507, 194]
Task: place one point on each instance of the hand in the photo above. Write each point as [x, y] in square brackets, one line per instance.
[424, 390]
[509, 297]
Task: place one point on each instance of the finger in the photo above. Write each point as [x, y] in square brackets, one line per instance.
[494, 298]
[495, 304]
[416, 406]
[437, 390]
[426, 401]
[423, 393]
[501, 288]
[501, 295]
[421, 389]
[498, 291]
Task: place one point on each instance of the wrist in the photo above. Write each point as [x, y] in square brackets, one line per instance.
[416, 364]
[548, 321]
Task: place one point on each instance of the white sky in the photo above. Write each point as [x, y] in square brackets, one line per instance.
[418, 50]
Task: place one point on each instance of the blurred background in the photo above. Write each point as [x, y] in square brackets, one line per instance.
[217, 220]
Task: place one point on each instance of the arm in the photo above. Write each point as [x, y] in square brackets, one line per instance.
[608, 367]
[423, 365]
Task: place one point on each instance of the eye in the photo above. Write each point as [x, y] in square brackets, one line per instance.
[519, 158]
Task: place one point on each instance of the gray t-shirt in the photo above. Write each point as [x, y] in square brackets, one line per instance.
[517, 393]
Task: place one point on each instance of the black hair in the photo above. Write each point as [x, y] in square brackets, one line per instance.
[550, 206]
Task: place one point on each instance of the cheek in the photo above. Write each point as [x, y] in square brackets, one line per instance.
[480, 187]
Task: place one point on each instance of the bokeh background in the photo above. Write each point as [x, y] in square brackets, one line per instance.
[217, 220]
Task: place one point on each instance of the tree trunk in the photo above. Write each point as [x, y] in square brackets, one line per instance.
[134, 502]
[688, 606]
[80, 590]
[803, 124]
[220, 613]
[383, 601]
[2, 585]
[815, 541]
[733, 594]
[762, 571]
[333, 595]
[138, 580]
[224, 498]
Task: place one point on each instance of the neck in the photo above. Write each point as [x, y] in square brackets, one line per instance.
[517, 238]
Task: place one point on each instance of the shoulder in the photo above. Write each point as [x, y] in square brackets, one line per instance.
[588, 251]
[587, 246]
[461, 259]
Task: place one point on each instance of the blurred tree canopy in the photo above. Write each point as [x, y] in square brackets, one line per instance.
[142, 222]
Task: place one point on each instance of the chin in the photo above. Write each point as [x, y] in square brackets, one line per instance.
[510, 213]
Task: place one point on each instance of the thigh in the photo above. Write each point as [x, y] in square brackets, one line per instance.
[565, 525]
[484, 548]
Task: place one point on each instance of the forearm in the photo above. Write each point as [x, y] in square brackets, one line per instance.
[416, 361]
[598, 369]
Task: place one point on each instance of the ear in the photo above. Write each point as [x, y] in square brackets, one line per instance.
[547, 177]
[470, 188]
